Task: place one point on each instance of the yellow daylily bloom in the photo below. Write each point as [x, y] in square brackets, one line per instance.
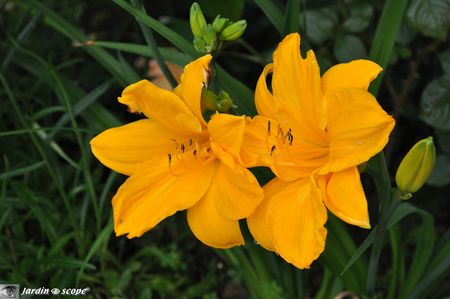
[312, 131]
[176, 160]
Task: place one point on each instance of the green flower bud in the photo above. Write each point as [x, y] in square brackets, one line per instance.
[224, 102]
[209, 34]
[219, 24]
[416, 167]
[196, 19]
[234, 31]
[200, 44]
[209, 100]
[221, 102]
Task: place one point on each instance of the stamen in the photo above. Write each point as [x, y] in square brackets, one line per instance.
[190, 143]
[268, 127]
[183, 148]
[176, 143]
[272, 149]
[289, 136]
[170, 164]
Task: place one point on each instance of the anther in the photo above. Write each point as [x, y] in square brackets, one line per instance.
[169, 156]
[176, 143]
[268, 127]
[272, 149]
[289, 136]
[190, 143]
[183, 148]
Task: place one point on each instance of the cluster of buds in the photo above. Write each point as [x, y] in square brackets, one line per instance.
[416, 167]
[209, 37]
[221, 102]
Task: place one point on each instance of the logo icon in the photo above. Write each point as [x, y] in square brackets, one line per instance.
[9, 291]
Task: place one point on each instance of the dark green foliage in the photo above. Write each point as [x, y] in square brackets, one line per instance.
[65, 62]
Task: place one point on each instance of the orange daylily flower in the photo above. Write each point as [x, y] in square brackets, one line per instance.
[313, 132]
[177, 161]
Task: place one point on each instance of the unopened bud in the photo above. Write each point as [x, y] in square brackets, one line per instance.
[224, 102]
[199, 44]
[196, 19]
[416, 167]
[234, 31]
[210, 37]
[220, 24]
[221, 102]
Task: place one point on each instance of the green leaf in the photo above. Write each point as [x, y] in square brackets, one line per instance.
[73, 33]
[272, 12]
[22, 171]
[435, 104]
[319, 32]
[242, 95]
[101, 239]
[385, 36]
[231, 9]
[349, 47]
[440, 176]
[174, 38]
[444, 58]
[361, 14]
[168, 54]
[291, 17]
[443, 140]
[430, 17]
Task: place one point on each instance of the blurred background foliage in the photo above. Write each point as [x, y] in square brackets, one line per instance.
[62, 66]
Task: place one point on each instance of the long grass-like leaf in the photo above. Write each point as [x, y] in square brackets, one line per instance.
[291, 17]
[385, 36]
[151, 43]
[174, 38]
[73, 33]
[272, 12]
[168, 54]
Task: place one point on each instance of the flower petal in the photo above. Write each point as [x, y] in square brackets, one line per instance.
[210, 227]
[358, 128]
[345, 197]
[236, 192]
[195, 76]
[227, 131]
[124, 148]
[297, 217]
[157, 103]
[354, 74]
[259, 149]
[264, 100]
[297, 88]
[258, 222]
[157, 190]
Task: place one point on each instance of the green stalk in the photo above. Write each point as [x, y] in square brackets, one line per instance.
[381, 51]
[378, 244]
[394, 236]
[385, 37]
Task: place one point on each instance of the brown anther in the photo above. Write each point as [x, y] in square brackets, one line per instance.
[268, 127]
[183, 148]
[190, 143]
[176, 143]
[289, 136]
[272, 149]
